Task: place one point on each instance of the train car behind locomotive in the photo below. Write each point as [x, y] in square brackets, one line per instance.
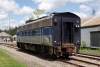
[57, 34]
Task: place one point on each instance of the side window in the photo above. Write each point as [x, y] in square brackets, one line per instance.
[37, 32]
[25, 33]
[21, 33]
[46, 31]
[33, 33]
[28, 33]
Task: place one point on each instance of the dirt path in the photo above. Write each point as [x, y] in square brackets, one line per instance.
[31, 60]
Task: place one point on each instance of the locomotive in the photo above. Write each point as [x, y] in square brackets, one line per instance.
[57, 34]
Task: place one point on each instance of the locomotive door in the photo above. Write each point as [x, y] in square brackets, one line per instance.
[67, 32]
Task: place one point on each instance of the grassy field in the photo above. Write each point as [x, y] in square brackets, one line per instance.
[7, 61]
[90, 51]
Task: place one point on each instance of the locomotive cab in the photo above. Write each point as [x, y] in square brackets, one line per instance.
[66, 33]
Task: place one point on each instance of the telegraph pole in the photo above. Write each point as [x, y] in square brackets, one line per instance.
[9, 26]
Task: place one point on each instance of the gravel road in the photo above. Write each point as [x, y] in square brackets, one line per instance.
[32, 61]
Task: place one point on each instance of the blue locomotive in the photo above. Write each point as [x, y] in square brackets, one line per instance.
[57, 34]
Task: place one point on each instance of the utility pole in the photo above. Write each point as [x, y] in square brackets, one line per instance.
[9, 26]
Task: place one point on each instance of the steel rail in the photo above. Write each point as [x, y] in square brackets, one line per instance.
[88, 56]
[70, 63]
[87, 62]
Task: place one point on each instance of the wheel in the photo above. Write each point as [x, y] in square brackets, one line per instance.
[66, 56]
[22, 47]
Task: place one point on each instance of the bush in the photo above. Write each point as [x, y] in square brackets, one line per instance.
[83, 44]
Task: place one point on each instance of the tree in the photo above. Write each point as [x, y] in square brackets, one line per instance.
[1, 30]
[48, 13]
[93, 12]
[13, 31]
[16, 27]
[37, 13]
[5, 30]
[31, 18]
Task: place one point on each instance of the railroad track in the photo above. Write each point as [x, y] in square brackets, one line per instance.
[80, 64]
[89, 56]
[10, 45]
[74, 64]
[87, 62]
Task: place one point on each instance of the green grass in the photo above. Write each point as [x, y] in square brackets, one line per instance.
[90, 51]
[7, 61]
[11, 43]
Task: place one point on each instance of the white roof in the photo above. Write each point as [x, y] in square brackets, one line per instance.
[14, 36]
[3, 34]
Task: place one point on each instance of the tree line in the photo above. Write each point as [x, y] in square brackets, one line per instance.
[12, 31]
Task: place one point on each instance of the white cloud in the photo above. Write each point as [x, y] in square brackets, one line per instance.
[60, 2]
[3, 15]
[45, 6]
[98, 12]
[8, 5]
[49, 4]
[95, 3]
[3, 24]
[26, 18]
[85, 8]
[79, 1]
[13, 23]
[96, 6]
[81, 14]
[24, 10]
[21, 22]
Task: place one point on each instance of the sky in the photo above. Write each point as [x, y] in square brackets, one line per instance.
[18, 11]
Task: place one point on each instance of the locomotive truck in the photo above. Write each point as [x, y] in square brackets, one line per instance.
[57, 34]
